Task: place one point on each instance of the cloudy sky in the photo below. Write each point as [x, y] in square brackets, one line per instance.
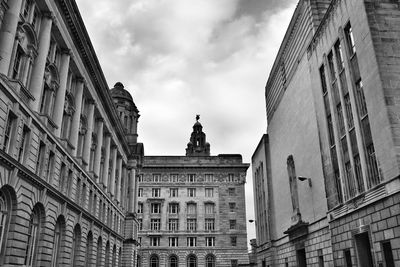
[179, 58]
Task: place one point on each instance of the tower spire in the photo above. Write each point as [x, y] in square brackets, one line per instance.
[198, 145]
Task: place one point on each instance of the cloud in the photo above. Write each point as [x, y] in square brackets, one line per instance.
[180, 58]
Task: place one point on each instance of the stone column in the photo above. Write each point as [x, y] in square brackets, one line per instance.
[106, 160]
[76, 119]
[36, 86]
[97, 156]
[113, 169]
[119, 164]
[7, 34]
[88, 137]
[60, 97]
[132, 177]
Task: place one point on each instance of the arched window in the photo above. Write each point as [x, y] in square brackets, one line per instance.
[34, 229]
[51, 84]
[76, 244]
[173, 261]
[99, 251]
[191, 261]
[58, 240]
[107, 263]
[154, 261]
[6, 207]
[114, 256]
[89, 248]
[210, 260]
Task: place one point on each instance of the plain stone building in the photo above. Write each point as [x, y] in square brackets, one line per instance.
[69, 151]
[191, 208]
[326, 174]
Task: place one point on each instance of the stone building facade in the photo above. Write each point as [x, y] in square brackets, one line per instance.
[191, 208]
[69, 152]
[332, 108]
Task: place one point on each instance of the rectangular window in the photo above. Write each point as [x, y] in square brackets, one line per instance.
[191, 241]
[140, 192]
[209, 208]
[210, 241]
[191, 208]
[349, 113]
[155, 241]
[340, 120]
[361, 104]
[234, 263]
[173, 208]
[140, 208]
[155, 224]
[140, 178]
[373, 174]
[388, 254]
[17, 63]
[173, 241]
[173, 225]
[191, 224]
[347, 257]
[156, 192]
[155, 208]
[209, 192]
[191, 178]
[156, 178]
[230, 177]
[339, 56]
[50, 166]
[209, 224]
[209, 178]
[23, 144]
[232, 207]
[331, 67]
[231, 192]
[320, 258]
[232, 224]
[191, 192]
[233, 241]
[140, 224]
[9, 131]
[173, 192]
[348, 32]
[40, 158]
[173, 178]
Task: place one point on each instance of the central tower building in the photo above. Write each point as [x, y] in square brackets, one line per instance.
[191, 209]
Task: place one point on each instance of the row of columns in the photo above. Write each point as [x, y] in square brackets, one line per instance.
[7, 37]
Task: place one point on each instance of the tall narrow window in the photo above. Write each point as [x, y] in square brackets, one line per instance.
[348, 32]
[5, 214]
[50, 166]
[40, 158]
[9, 131]
[16, 71]
[33, 237]
[99, 252]
[107, 254]
[57, 241]
[210, 260]
[89, 248]
[23, 144]
[154, 261]
[191, 260]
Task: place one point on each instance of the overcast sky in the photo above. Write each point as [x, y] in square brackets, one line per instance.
[179, 58]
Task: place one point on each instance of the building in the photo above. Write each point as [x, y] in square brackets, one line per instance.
[326, 173]
[69, 152]
[191, 208]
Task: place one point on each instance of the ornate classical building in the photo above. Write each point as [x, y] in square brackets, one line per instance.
[326, 174]
[191, 208]
[68, 145]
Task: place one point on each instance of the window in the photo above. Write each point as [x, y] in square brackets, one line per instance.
[209, 192]
[233, 241]
[154, 261]
[140, 192]
[347, 257]
[191, 178]
[155, 192]
[232, 206]
[140, 208]
[230, 177]
[155, 208]
[155, 224]
[191, 208]
[234, 263]
[89, 248]
[173, 241]
[173, 225]
[191, 241]
[58, 235]
[140, 224]
[209, 224]
[155, 241]
[99, 251]
[232, 224]
[24, 144]
[33, 237]
[173, 208]
[191, 261]
[320, 258]
[210, 241]
[301, 258]
[16, 71]
[348, 32]
[50, 166]
[156, 178]
[40, 158]
[173, 178]
[191, 224]
[173, 261]
[191, 192]
[173, 192]
[388, 254]
[209, 208]
[9, 131]
[140, 178]
[5, 214]
[209, 178]
[231, 192]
